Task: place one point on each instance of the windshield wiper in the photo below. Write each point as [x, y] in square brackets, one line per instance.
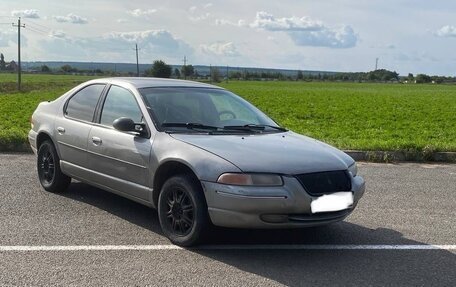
[259, 127]
[190, 126]
[243, 128]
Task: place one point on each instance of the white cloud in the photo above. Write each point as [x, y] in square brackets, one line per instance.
[242, 23]
[203, 16]
[446, 31]
[343, 37]
[30, 13]
[193, 9]
[153, 43]
[200, 18]
[140, 12]
[220, 49]
[57, 34]
[159, 41]
[7, 37]
[71, 18]
[307, 32]
[224, 22]
[268, 22]
[122, 20]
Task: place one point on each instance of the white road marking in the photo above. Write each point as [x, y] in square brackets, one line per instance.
[224, 247]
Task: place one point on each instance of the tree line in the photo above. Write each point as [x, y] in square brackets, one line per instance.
[160, 69]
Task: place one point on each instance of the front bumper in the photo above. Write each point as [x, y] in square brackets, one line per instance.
[284, 206]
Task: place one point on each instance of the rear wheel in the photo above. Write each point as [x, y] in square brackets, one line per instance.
[49, 173]
[182, 210]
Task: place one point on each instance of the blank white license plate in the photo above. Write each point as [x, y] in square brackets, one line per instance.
[332, 202]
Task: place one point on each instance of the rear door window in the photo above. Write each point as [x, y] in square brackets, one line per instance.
[82, 105]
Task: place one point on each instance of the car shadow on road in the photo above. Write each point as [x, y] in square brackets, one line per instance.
[301, 267]
[121, 207]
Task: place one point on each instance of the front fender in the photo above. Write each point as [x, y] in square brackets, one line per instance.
[205, 165]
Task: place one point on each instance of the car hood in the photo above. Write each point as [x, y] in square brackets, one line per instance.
[283, 153]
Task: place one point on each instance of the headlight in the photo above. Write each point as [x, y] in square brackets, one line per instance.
[353, 169]
[250, 179]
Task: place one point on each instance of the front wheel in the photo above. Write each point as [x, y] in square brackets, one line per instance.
[182, 210]
[48, 164]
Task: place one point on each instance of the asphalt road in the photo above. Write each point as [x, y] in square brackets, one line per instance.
[405, 205]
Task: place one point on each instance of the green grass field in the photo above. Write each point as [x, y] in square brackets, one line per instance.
[17, 107]
[348, 115]
[364, 116]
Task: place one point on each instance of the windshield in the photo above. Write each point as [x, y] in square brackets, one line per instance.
[178, 109]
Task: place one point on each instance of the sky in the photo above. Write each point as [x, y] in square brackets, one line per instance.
[407, 36]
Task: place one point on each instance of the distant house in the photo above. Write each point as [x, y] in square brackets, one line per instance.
[12, 66]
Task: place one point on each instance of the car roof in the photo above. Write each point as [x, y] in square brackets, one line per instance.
[145, 82]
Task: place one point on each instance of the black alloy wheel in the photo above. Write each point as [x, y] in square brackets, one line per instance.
[48, 165]
[182, 210]
[179, 211]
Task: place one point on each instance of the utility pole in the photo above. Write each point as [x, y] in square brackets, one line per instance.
[376, 64]
[137, 60]
[227, 73]
[210, 73]
[19, 26]
[185, 67]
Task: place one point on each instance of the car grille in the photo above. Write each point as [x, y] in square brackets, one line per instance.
[319, 183]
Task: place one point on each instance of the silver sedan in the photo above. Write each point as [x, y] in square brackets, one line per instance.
[197, 153]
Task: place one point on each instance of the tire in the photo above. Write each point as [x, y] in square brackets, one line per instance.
[182, 211]
[49, 173]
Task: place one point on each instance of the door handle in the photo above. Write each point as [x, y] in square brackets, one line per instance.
[96, 140]
[60, 130]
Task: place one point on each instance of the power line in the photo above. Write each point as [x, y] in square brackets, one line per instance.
[35, 27]
[37, 30]
[45, 29]
[39, 25]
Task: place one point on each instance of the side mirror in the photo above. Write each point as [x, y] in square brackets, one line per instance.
[124, 124]
[128, 125]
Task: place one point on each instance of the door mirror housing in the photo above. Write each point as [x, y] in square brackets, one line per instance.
[124, 124]
[128, 125]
